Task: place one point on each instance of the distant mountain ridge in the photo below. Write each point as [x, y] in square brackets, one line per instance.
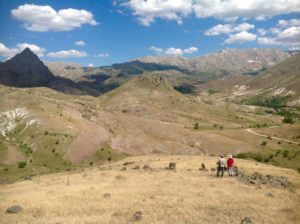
[231, 61]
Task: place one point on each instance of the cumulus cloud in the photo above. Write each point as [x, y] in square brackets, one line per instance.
[190, 50]
[157, 50]
[7, 52]
[286, 23]
[228, 28]
[241, 37]
[286, 33]
[147, 11]
[262, 31]
[80, 43]
[244, 9]
[103, 55]
[91, 65]
[45, 18]
[67, 54]
[173, 51]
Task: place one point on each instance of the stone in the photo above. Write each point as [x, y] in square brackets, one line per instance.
[146, 167]
[137, 216]
[106, 195]
[14, 209]
[172, 166]
[137, 167]
[246, 220]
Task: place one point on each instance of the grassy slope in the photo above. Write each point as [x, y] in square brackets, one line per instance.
[162, 196]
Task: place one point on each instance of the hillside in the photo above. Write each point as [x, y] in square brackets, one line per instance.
[279, 80]
[117, 193]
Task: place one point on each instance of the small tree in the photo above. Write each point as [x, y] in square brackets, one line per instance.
[264, 143]
[22, 164]
[196, 126]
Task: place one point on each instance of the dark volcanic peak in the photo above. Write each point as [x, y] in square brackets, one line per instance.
[25, 70]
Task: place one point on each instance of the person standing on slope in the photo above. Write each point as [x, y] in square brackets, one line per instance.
[221, 166]
[230, 163]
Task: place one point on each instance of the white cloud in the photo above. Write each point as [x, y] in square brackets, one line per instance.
[91, 65]
[80, 43]
[228, 28]
[190, 50]
[244, 9]
[241, 37]
[103, 55]
[10, 52]
[147, 11]
[67, 54]
[262, 31]
[45, 18]
[173, 51]
[267, 41]
[286, 23]
[157, 50]
[290, 35]
[296, 48]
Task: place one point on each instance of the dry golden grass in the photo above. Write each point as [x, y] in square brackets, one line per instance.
[162, 196]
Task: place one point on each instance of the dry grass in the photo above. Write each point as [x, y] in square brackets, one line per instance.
[162, 196]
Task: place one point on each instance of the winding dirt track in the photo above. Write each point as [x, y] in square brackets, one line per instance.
[266, 136]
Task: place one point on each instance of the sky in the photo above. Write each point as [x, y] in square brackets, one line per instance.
[104, 32]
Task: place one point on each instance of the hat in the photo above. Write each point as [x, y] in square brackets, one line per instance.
[230, 156]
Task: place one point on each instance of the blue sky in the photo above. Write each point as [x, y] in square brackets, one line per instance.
[103, 32]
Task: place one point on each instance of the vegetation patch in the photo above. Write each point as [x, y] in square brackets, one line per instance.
[105, 153]
[288, 157]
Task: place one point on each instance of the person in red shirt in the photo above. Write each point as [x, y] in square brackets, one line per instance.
[230, 163]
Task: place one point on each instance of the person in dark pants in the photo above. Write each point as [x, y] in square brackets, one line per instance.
[221, 166]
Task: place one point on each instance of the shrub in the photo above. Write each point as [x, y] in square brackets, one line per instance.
[22, 164]
[46, 133]
[91, 163]
[203, 166]
[242, 155]
[288, 120]
[109, 158]
[57, 142]
[196, 126]
[264, 143]
[5, 169]
[258, 158]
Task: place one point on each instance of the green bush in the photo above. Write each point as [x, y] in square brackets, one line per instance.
[242, 155]
[288, 120]
[196, 126]
[22, 164]
[264, 143]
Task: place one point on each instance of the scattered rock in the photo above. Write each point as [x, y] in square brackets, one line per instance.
[213, 169]
[270, 180]
[127, 163]
[269, 194]
[106, 195]
[123, 168]
[146, 167]
[137, 167]
[137, 216]
[119, 177]
[189, 169]
[246, 220]
[172, 166]
[14, 209]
